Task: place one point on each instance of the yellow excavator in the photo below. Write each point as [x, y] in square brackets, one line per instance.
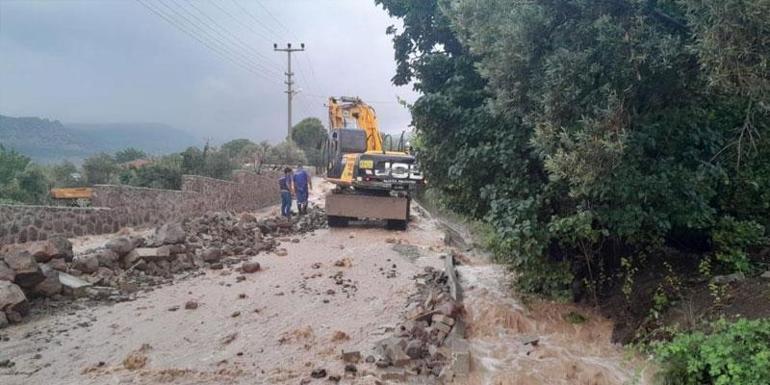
[370, 181]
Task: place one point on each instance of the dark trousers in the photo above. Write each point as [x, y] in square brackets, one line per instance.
[286, 203]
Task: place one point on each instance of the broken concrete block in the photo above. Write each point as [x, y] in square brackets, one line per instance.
[149, 254]
[72, 285]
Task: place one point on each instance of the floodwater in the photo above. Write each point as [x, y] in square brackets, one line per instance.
[500, 331]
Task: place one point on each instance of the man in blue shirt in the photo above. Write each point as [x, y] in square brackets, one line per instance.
[302, 186]
[286, 186]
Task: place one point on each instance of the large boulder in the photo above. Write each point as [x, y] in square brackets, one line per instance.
[86, 263]
[169, 234]
[60, 247]
[28, 273]
[6, 273]
[121, 245]
[13, 301]
[50, 286]
[43, 251]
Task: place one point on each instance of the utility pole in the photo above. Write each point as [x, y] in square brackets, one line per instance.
[289, 83]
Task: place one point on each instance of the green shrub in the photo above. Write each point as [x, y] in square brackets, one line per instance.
[732, 237]
[731, 354]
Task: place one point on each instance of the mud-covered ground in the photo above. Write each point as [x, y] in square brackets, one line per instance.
[337, 289]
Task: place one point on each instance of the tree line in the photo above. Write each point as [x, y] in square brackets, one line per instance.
[23, 181]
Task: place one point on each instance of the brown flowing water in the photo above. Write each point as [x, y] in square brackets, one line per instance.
[499, 327]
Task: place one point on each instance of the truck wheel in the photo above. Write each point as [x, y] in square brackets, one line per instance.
[335, 221]
[396, 224]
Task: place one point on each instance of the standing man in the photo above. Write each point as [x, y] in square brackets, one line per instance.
[286, 186]
[302, 186]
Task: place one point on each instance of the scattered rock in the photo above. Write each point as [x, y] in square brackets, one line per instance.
[169, 234]
[350, 368]
[3, 320]
[12, 301]
[351, 357]
[50, 286]
[28, 274]
[211, 254]
[250, 267]
[87, 263]
[191, 305]
[318, 373]
[6, 273]
[765, 275]
[120, 245]
[235, 314]
[281, 252]
[72, 285]
[107, 258]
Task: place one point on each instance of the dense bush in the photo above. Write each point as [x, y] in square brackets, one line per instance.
[730, 354]
[588, 132]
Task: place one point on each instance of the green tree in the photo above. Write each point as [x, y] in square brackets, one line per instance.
[62, 175]
[286, 153]
[309, 134]
[192, 161]
[164, 173]
[99, 169]
[234, 148]
[129, 154]
[588, 131]
[11, 163]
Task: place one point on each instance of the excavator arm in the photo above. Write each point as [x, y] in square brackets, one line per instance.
[349, 112]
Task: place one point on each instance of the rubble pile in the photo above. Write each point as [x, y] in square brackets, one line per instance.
[49, 269]
[430, 342]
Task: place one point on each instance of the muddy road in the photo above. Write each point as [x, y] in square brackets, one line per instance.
[334, 290]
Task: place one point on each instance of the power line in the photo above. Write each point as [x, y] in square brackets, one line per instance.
[226, 12]
[233, 37]
[281, 25]
[248, 13]
[223, 54]
[223, 45]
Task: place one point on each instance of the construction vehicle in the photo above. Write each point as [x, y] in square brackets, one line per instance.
[371, 182]
[72, 196]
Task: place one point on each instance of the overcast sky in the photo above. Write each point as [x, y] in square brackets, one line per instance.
[117, 61]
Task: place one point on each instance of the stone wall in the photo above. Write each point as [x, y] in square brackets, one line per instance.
[20, 224]
[138, 206]
[121, 206]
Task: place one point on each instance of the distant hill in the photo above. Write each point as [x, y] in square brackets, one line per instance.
[50, 141]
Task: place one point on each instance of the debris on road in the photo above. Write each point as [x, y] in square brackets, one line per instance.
[126, 263]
